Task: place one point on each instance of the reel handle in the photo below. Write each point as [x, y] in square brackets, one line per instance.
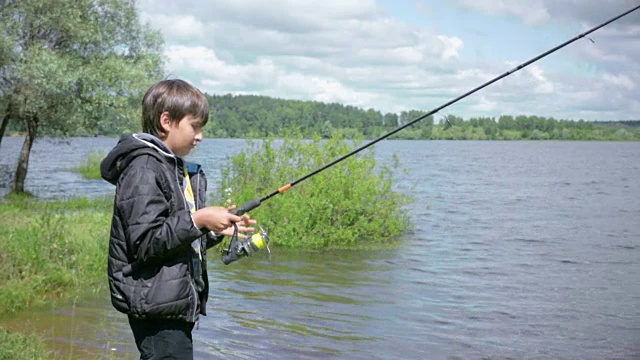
[246, 207]
[243, 247]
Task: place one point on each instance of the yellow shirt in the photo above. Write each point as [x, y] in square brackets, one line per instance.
[191, 202]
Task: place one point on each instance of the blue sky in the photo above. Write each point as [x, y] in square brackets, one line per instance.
[396, 55]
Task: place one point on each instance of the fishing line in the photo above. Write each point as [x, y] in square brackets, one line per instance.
[252, 204]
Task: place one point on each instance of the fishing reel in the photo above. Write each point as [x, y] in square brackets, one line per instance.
[245, 247]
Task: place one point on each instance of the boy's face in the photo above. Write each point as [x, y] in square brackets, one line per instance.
[181, 136]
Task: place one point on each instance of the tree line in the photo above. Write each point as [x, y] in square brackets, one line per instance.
[252, 116]
[260, 116]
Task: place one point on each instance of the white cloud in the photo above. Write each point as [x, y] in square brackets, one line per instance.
[621, 81]
[543, 85]
[590, 13]
[182, 27]
[322, 89]
[452, 46]
[483, 105]
[535, 12]
[214, 71]
[530, 11]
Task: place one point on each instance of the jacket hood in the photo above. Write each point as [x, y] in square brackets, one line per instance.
[128, 148]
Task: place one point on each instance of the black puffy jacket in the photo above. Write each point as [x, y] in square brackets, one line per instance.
[150, 267]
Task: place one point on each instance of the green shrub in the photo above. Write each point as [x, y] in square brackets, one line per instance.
[351, 204]
[90, 169]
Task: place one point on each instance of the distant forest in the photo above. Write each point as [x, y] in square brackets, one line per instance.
[259, 116]
[251, 116]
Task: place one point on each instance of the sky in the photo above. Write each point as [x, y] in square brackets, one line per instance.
[397, 55]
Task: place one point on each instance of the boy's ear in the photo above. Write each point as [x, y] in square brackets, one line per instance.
[165, 122]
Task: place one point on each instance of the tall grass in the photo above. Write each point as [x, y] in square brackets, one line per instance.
[18, 346]
[90, 168]
[48, 249]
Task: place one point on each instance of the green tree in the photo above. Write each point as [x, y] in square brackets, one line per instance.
[327, 130]
[68, 64]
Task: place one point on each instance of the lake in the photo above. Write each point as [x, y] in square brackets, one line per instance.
[522, 250]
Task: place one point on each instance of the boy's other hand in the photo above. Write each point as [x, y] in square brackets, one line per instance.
[244, 225]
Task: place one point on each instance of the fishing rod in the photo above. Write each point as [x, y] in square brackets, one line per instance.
[252, 204]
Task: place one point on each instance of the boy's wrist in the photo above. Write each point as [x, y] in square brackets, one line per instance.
[196, 222]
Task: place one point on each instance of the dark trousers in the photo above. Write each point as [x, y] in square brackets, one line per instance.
[163, 339]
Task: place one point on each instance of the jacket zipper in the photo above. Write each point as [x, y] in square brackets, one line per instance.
[184, 201]
[195, 302]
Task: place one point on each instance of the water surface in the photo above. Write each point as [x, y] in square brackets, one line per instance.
[523, 250]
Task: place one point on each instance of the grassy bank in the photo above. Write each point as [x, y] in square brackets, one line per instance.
[17, 346]
[49, 250]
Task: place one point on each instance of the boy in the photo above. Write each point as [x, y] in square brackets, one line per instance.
[160, 228]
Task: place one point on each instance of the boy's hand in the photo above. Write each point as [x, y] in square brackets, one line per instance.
[218, 218]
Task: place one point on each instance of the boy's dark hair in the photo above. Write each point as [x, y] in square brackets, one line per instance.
[178, 98]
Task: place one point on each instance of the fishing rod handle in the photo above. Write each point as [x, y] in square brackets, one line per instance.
[246, 207]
